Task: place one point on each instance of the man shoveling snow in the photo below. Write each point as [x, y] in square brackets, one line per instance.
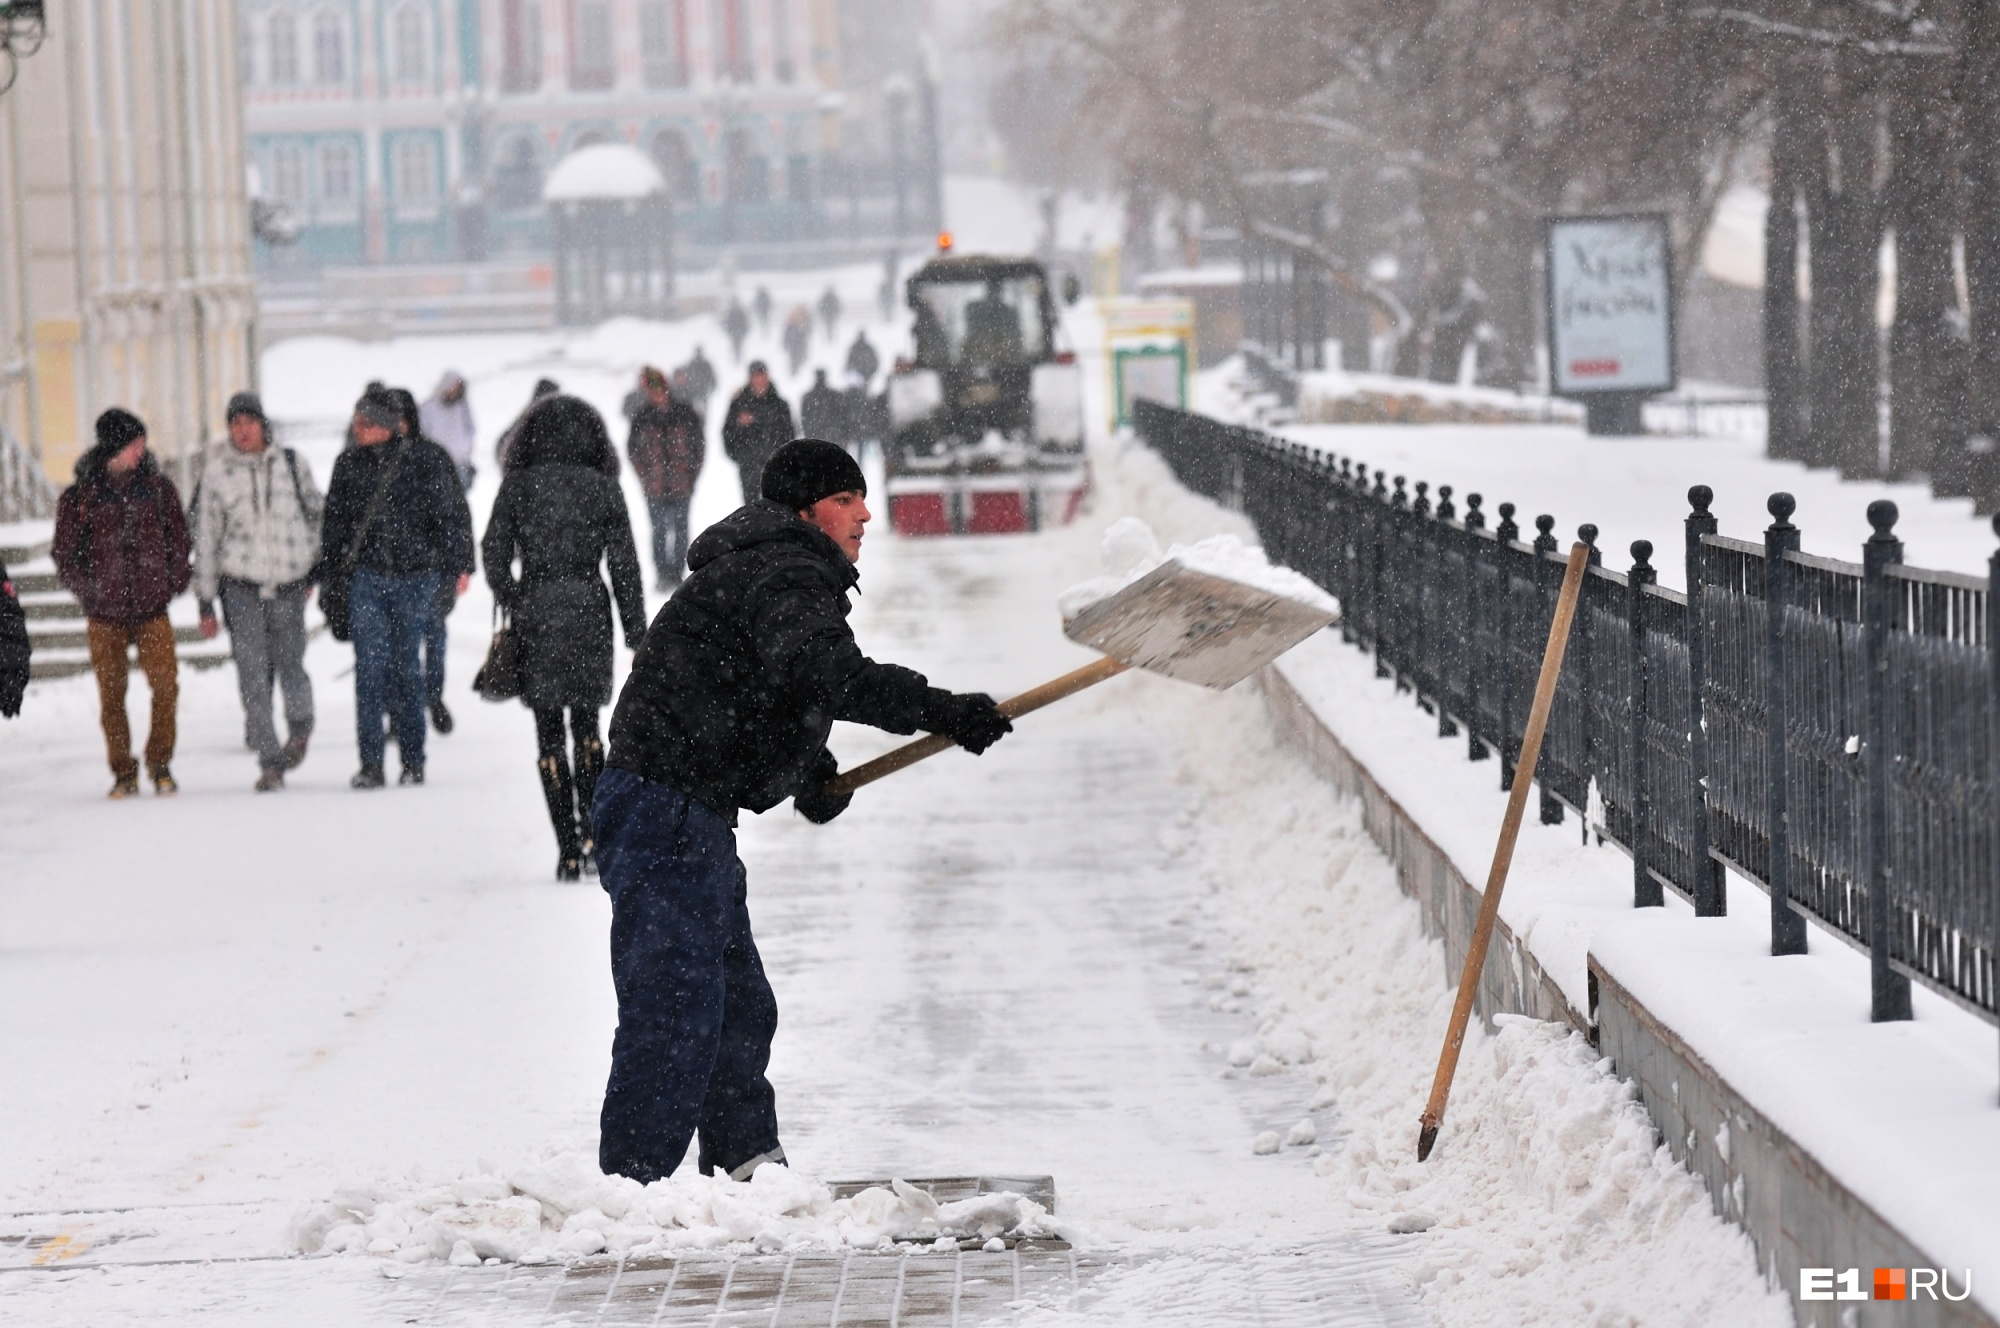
[728, 706]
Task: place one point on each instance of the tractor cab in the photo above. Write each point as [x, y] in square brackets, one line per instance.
[985, 414]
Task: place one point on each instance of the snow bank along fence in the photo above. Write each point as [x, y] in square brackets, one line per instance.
[1827, 729]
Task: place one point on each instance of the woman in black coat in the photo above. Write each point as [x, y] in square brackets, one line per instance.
[562, 516]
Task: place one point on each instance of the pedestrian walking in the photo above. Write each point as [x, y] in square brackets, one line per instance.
[121, 547]
[823, 411]
[256, 540]
[393, 539]
[504, 444]
[446, 419]
[727, 707]
[736, 323]
[862, 361]
[798, 336]
[761, 304]
[758, 423]
[15, 647]
[436, 636]
[829, 310]
[666, 452]
[700, 381]
[563, 518]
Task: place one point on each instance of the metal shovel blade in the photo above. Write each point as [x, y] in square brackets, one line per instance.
[1195, 627]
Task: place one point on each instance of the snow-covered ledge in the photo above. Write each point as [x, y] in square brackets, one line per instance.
[1835, 1143]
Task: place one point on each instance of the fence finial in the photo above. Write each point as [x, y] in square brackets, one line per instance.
[1996, 523]
[1381, 486]
[1423, 503]
[1699, 497]
[1882, 516]
[1642, 552]
[1545, 526]
[1587, 532]
[1781, 506]
[1445, 510]
[1507, 530]
[1401, 499]
[1476, 519]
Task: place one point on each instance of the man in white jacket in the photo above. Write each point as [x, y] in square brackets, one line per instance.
[256, 538]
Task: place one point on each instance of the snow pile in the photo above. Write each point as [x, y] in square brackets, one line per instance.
[564, 1208]
[1131, 550]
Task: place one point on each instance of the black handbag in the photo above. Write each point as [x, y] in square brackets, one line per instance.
[499, 678]
[336, 584]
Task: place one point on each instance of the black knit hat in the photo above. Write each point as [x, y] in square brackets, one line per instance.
[116, 428]
[809, 469]
[246, 403]
[379, 408]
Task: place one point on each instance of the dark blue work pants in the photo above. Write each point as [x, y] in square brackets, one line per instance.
[695, 1011]
[390, 615]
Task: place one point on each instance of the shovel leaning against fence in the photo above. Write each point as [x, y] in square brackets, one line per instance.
[1175, 621]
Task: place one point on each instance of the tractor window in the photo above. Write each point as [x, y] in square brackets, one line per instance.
[980, 322]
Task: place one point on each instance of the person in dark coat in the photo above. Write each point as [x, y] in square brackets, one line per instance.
[736, 325]
[666, 450]
[823, 411]
[15, 648]
[436, 637]
[411, 549]
[700, 380]
[560, 515]
[122, 548]
[759, 422]
[728, 706]
[862, 361]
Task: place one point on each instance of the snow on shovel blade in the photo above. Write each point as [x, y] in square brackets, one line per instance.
[1195, 627]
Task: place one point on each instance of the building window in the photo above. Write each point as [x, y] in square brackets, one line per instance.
[732, 40]
[288, 174]
[336, 175]
[663, 43]
[329, 48]
[783, 42]
[591, 66]
[521, 45]
[517, 183]
[415, 166]
[281, 40]
[409, 45]
[677, 167]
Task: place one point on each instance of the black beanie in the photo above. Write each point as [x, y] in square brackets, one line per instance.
[379, 408]
[116, 428]
[803, 472]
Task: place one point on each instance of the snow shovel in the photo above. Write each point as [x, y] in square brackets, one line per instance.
[1503, 852]
[1174, 621]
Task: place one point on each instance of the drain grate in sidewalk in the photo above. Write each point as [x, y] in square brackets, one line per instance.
[805, 1290]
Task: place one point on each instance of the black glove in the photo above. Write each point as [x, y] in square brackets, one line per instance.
[812, 801]
[969, 719]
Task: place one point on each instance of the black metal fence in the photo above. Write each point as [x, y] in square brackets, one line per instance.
[1826, 729]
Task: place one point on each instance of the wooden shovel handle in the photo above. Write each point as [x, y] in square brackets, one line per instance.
[1503, 852]
[1013, 708]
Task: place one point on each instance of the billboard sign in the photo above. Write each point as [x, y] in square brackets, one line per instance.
[1611, 304]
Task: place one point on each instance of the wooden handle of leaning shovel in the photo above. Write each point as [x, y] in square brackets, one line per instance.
[1503, 852]
[1013, 708]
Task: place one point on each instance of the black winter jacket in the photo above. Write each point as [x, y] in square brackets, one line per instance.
[742, 674]
[751, 445]
[562, 521]
[14, 648]
[423, 525]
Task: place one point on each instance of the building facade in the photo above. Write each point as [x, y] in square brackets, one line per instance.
[125, 249]
[422, 130]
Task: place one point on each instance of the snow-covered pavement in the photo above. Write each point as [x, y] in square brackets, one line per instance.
[1138, 947]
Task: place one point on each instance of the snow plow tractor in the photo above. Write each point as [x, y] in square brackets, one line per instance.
[986, 417]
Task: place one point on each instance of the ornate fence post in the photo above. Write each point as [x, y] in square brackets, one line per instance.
[1711, 898]
[1890, 990]
[1993, 758]
[1646, 891]
[1788, 926]
[1378, 526]
[1475, 750]
[1503, 634]
[1546, 582]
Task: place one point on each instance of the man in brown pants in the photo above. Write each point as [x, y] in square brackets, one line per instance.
[121, 547]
